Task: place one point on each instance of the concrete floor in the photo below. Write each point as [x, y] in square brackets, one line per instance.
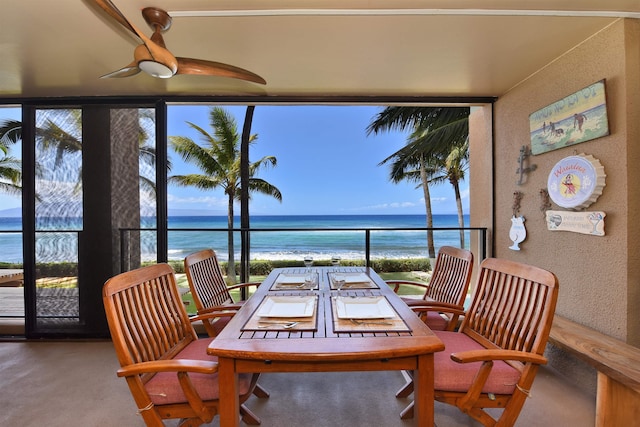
[74, 384]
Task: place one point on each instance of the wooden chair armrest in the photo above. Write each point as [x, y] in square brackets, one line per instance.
[237, 286]
[497, 354]
[397, 283]
[453, 311]
[178, 365]
[438, 306]
[487, 357]
[219, 308]
[243, 285]
[207, 316]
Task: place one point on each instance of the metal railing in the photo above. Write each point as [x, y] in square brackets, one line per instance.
[130, 239]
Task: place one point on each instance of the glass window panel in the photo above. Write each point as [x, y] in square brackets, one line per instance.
[59, 215]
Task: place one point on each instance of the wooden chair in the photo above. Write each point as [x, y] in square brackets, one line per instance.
[166, 366]
[492, 360]
[448, 288]
[211, 295]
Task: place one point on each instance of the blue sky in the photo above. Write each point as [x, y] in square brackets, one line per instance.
[326, 164]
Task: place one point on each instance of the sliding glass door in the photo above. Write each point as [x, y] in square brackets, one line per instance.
[92, 174]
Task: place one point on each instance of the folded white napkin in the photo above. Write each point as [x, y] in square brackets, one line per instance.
[291, 279]
[352, 278]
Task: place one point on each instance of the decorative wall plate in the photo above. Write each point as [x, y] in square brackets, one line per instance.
[576, 182]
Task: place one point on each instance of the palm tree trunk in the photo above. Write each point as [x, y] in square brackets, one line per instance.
[231, 264]
[456, 189]
[427, 203]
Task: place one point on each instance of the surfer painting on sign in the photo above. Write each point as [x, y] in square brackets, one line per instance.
[578, 119]
[570, 188]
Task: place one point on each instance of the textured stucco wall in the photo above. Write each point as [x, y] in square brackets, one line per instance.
[592, 270]
[598, 275]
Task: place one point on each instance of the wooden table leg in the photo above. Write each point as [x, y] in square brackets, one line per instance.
[229, 401]
[423, 395]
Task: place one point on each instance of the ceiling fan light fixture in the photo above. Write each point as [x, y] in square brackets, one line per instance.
[156, 69]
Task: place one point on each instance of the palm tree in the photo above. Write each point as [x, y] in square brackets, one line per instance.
[425, 169]
[219, 160]
[456, 165]
[416, 169]
[436, 132]
[452, 161]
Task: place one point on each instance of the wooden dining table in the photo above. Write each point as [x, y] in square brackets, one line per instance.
[323, 338]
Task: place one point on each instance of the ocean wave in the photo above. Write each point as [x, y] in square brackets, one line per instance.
[177, 255]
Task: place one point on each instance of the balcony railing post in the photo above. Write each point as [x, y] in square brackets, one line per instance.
[367, 248]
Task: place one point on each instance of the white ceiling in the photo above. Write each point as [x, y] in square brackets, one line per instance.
[451, 48]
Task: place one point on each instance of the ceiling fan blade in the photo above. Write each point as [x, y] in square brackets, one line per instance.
[156, 48]
[115, 13]
[211, 68]
[128, 71]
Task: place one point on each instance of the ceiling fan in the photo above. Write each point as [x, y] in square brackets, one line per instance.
[153, 57]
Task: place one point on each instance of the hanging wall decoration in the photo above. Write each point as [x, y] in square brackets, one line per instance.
[545, 201]
[517, 232]
[576, 182]
[591, 223]
[579, 117]
[523, 168]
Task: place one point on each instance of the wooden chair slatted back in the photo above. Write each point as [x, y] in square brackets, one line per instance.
[206, 280]
[146, 316]
[513, 306]
[451, 275]
[512, 309]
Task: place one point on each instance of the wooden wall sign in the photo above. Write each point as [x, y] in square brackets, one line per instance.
[579, 117]
[591, 223]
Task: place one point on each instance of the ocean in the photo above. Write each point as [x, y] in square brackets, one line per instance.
[335, 237]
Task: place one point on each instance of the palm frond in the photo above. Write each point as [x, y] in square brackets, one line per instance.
[395, 118]
[226, 131]
[266, 161]
[259, 185]
[10, 188]
[53, 136]
[10, 176]
[10, 133]
[147, 185]
[202, 182]
[194, 153]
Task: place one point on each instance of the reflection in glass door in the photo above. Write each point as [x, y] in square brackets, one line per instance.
[59, 217]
